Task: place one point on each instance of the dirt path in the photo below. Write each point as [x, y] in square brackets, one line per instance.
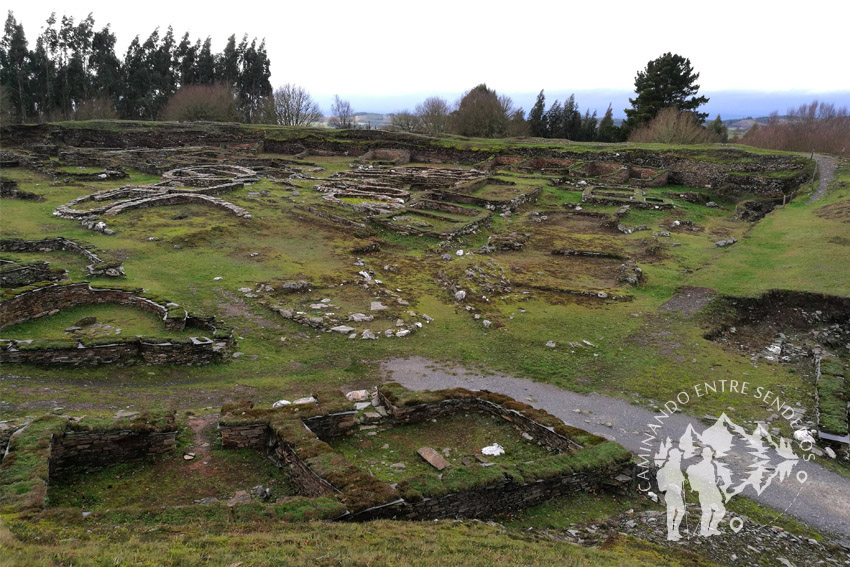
[200, 444]
[826, 167]
[823, 501]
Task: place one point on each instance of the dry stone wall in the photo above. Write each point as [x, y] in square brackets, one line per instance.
[101, 264]
[17, 275]
[497, 498]
[77, 452]
[299, 444]
[47, 300]
[436, 410]
[194, 351]
[30, 303]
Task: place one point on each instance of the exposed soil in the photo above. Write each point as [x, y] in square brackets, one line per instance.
[794, 321]
[200, 427]
[689, 300]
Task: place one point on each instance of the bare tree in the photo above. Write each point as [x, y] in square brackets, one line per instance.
[405, 121]
[433, 114]
[343, 115]
[293, 106]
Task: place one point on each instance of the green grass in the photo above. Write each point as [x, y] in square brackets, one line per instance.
[171, 481]
[381, 543]
[463, 435]
[795, 247]
[565, 512]
[112, 321]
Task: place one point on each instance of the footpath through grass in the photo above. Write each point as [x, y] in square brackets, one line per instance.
[800, 247]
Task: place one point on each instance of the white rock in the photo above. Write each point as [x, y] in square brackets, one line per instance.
[281, 403]
[217, 278]
[362, 405]
[551, 344]
[803, 436]
[343, 329]
[402, 333]
[304, 401]
[459, 252]
[829, 452]
[357, 395]
[486, 323]
[460, 295]
[367, 334]
[493, 450]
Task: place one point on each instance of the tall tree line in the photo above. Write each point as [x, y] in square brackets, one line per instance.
[566, 121]
[72, 71]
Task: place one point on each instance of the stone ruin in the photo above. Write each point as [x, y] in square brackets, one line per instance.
[294, 437]
[212, 344]
[196, 184]
[391, 187]
[380, 306]
[101, 264]
[606, 195]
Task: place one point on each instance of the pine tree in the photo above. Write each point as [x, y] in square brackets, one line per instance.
[105, 66]
[668, 81]
[554, 121]
[607, 130]
[186, 61]
[14, 63]
[536, 117]
[227, 63]
[588, 127]
[571, 124]
[206, 62]
[134, 104]
[720, 131]
[253, 82]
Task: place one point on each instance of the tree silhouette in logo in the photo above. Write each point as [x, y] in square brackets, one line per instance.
[700, 456]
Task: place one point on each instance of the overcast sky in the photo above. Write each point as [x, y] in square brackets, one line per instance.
[396, 48]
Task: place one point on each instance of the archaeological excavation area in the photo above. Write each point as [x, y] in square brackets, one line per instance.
[201, 326]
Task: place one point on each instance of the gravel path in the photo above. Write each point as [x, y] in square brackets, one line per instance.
[823, 501]
[826, 167]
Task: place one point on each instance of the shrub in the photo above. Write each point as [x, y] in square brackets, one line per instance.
[202, 102]
[817, 127]
[670, 126]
